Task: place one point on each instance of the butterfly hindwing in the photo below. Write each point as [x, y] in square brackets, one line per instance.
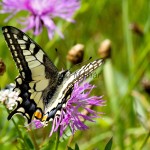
[24, 105]
[38, 74]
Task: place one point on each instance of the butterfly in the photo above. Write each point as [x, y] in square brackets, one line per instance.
[43, 90]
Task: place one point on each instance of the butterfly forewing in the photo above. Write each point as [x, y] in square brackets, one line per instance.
[86, 70]
[37, 76]
[28, 55]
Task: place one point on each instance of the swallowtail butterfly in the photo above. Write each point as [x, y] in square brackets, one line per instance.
[43, 90]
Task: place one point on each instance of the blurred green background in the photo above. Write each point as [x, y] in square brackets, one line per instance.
[124, 81]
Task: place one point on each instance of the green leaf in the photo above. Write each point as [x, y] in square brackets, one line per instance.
[76, 147]
[29, 142]
[109, 144]
[69, 148]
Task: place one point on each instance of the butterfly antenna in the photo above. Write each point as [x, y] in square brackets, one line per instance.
[60, 56]
[80, 63]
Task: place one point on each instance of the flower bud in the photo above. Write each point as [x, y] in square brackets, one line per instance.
[136, 29]
[2, 67]
[105, 49]
[75, 54]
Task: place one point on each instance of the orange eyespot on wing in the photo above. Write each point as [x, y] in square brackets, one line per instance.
[38, 114]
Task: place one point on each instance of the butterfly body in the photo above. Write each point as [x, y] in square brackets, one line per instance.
[43, 90]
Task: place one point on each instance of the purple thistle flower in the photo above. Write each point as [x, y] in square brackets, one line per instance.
[41, 12]
[72, 114]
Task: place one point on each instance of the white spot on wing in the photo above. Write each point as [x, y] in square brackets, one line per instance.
[8, 35]
[21, 42]
[18, 60]
[32, 46]
[21, 109]
[39, 55]
[21, 68]
[33, 64]
[23, 46]
[10, 40]
[31, 84]
[13, 47]
[15, 36]
[6, 30]
[20, 99]
[19, 80]
[23, 74]
[25, 38]
[29, 58]
[31, 91]
[15, 53]
[27, 115]
[26, 52]
[17, 90]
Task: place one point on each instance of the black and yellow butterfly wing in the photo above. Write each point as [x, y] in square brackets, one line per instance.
[38, 75]
[42, 89]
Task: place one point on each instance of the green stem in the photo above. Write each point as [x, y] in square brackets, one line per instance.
[147, 25]
[143, 64]
[69, 142]
[127, 36]
[20, 135]
[110, 83]
[57, 139]
[19, 132]
[34, 140]
[145, 141]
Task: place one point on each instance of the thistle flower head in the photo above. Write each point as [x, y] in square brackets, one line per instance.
[72, 114]
[42, 13]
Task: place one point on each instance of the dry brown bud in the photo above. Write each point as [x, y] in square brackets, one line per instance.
[146, 85]
[105, 49]
[75, 54]
[136, 29]
[2, 67]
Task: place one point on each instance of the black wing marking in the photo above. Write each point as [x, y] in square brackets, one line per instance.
[38, 75]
